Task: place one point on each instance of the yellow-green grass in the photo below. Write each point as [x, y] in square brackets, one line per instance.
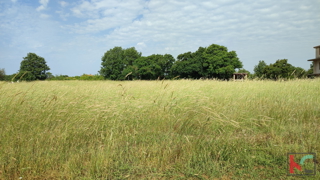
[180, 129]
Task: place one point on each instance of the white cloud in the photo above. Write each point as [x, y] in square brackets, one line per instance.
[44, 16]
[102, 15]
[256, 30]
[14, 1]
[63, 15]
[43, 5]
[63, 3]
[140, 46]
[77, 12]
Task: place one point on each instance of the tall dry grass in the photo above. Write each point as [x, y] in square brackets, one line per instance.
[178, 129]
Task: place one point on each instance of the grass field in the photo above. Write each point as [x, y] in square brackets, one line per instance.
[178, 129]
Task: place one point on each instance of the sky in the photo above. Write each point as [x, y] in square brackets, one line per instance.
[73, 35]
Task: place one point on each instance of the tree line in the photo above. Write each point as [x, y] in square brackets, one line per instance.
[207, 62]
[280, 69]
[214, 61]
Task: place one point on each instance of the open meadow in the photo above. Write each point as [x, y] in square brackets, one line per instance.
[172, 129]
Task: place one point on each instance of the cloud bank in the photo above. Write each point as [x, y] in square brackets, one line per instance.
[78, 33]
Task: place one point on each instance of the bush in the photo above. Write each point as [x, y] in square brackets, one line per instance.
[25, 76]
[91, 77]
[59, 77]
[2, 74]
[82, 77]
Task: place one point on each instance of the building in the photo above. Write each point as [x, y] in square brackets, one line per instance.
[316, 62]
[241, 76]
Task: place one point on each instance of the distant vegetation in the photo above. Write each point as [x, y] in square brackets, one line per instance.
[213, 62]
[2, 74]
[281, 69]
[82, 77]
[33, 67]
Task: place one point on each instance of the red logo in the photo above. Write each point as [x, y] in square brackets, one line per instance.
[306, 165]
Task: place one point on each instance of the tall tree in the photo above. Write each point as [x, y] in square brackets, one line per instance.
[191, 65]
[116, 62]
[298, 72]
[310, 71]
[145, 68]
[212, 62]
[153, 66]
[280, 69]
[33, 67]
[185, 66]
[129, 56]
[259, 69]
[112, 64]
[222, 64]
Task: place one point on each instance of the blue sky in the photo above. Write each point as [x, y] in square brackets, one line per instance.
[72, 36]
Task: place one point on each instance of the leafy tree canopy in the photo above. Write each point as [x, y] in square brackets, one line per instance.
[116, 60]
[243, 71]
[214, 61]
[259, 69]
[120, 64]
[2, 74]
[280, 69]
[310, 71]
[211, 62]
[33, 67]
[153, 66]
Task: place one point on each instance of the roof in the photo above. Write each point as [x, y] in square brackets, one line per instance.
[317, 46]
[316, 59]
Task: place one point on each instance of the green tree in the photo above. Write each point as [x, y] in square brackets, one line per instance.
[115, 62]
[191, 65]
[9, 77]
[310, 71]
[259, 69]
[112, 64]
[129, 55]
[2, 74]
[280, 69]
[212, 62]
[160, 64]
[33, 67]
[241, 70]
[165, 62]
[299, 73]
[222, 64]
[50, 75]
[185, 67]
[153, 66]
[144, 68]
